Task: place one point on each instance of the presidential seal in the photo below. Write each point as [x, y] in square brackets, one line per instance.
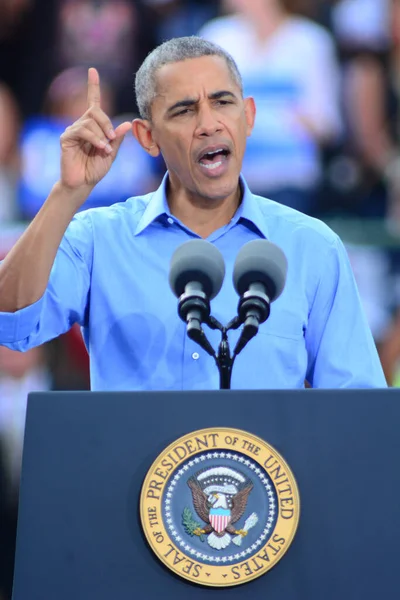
[219, 507]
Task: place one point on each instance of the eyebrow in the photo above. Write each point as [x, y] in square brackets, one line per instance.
[192, 101]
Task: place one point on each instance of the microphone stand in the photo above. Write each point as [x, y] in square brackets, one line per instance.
[194, 309]
[224, 362]
[224, 359]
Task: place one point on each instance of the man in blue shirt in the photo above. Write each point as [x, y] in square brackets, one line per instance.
[107, 268]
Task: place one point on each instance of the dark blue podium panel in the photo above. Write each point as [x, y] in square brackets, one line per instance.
[86, 456]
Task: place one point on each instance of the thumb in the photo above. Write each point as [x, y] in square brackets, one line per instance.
[120, 133]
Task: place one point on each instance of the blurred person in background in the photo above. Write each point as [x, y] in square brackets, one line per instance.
[9, 154]
[66, 95]
[14, 18]
[384, 87]
[289, 66]
[390, 128]
[366, 181]
[359, 170]
[174, 18]
[11, 13]
[112, 35]
[49, 37]
[27, 49]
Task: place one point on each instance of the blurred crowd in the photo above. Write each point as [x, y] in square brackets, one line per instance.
[325, 75]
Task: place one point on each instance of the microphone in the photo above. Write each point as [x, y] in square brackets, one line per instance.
[259, 276]
[197, 271]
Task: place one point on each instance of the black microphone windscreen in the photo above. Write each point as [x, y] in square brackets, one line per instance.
[197, 260]
[260, 261]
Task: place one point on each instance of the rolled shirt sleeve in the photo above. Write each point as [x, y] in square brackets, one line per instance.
[340, 346]
[66, 299]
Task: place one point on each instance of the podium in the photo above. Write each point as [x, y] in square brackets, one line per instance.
[87, 454]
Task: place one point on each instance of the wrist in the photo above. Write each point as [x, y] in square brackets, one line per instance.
[71, 197]
[75, 191]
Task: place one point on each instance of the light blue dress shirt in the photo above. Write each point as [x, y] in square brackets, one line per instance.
[111, 276]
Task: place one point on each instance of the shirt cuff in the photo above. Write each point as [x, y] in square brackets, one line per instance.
[17, 326]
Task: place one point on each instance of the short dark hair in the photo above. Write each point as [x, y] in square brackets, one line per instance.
[172, 51]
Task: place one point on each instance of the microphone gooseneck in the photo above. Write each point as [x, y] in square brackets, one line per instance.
[259, 276]
[196, 275]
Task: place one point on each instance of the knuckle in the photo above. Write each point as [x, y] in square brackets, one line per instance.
[99, 115]
[96, 110]
[65, 135]
[94, 115]
[91, 112]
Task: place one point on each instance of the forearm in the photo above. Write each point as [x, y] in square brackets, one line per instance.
[25, 272]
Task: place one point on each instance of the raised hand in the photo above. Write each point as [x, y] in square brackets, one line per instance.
[89, 146]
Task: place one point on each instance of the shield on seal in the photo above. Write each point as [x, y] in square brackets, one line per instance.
[220, 519]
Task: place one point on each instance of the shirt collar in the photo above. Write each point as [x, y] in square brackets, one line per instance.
[156, 207]
[249, 212]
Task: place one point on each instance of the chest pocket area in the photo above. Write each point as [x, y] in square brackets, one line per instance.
[283, 331]
[284, 322]
[276, 357]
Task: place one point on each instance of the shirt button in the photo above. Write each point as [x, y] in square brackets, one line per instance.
[170, 220]
[195, 355]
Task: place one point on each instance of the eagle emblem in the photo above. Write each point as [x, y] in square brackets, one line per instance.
[220, 496]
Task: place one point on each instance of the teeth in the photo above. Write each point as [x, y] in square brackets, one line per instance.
[213, 152]
[212, 166]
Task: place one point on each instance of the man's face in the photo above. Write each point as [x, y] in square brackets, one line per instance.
[200, 123]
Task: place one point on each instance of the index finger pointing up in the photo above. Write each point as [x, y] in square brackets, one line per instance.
[93, 96]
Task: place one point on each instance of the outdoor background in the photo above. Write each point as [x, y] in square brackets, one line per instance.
[325, 75]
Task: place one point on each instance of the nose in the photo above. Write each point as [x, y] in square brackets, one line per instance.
[207, 122]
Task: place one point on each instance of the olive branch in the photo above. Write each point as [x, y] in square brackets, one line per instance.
[189, 524]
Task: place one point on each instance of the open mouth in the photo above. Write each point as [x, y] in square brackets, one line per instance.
[212, 159]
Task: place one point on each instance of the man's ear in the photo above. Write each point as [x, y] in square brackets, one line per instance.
[250, 112]
[141, 129]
